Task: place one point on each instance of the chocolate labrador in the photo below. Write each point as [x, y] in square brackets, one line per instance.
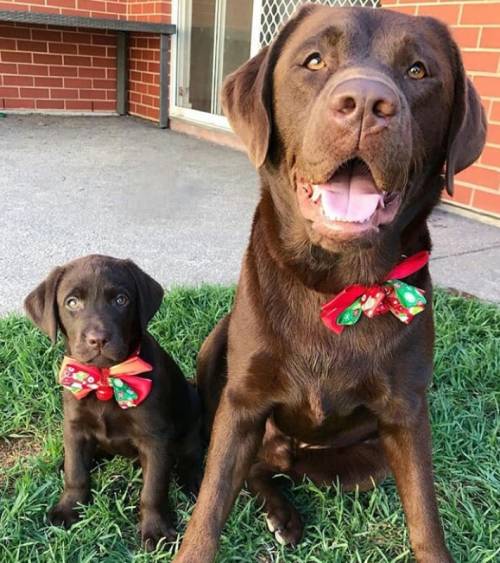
[321, 369]
[122, 393]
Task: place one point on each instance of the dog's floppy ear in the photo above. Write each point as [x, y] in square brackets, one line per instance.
[246, 101]
[41, 304]
[149, 293]
[467, 129]
[247, 94]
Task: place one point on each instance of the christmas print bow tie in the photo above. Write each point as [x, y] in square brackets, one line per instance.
[119, 381]
[404, 301]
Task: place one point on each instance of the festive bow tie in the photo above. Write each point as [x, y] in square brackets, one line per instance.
[404, 301]
[119, 380]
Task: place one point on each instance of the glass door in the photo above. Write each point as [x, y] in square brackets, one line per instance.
[214, 38]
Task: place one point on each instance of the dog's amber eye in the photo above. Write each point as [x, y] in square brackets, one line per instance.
[417, 71]
[72, 303]
[121, 300]
[314, 62]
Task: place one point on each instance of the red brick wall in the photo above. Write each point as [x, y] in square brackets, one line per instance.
[144, 75]
[476, 28]
[144, 58]
[137, 10]
[116, 9]
[50, 68]
[154, 11]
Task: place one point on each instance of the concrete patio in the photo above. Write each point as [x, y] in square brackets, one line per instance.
[181, 208]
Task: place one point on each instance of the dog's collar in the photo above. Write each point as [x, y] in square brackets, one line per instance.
[119, 380]
[404, 301]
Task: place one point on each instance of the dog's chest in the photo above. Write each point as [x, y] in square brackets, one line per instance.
[321, 417]
[326, 393]
[318, 401]
[108, 425]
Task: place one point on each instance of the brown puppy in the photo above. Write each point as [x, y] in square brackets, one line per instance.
[350, 116]
[102, 306]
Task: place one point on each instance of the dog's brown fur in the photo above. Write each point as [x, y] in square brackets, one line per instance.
[284, 394]
[163, 431]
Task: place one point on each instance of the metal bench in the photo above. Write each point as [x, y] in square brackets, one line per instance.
[122, 28]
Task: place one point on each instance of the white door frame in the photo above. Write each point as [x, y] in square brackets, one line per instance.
[183, 35]
[182, 19]
[256, 14]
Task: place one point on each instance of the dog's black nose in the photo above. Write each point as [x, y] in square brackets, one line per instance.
[96, 338]
[364, 102]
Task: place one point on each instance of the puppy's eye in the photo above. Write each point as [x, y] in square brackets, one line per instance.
[72, 303]
[121, 300]
[417, 71]
[314, 62]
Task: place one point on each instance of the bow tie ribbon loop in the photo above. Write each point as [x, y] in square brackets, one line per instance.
[403, 300]
[119, 381]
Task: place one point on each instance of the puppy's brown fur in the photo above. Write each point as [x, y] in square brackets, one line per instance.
[283, 393]
[80, 300]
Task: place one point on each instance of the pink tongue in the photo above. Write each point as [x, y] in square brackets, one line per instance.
[350, 196]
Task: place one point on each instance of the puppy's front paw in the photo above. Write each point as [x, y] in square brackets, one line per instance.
[63, 515]
[155, 528]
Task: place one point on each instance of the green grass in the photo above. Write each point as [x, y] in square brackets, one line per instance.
[365, 527]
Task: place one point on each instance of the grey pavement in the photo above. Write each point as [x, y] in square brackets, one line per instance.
[180, 207]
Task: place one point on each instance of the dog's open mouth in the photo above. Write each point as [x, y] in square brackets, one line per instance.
[349, 203]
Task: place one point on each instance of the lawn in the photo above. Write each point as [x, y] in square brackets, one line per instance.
[339, 527]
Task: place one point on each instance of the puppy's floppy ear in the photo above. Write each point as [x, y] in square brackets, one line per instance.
[467, 129]
[149, 292]
[247, 94]
[41, 304]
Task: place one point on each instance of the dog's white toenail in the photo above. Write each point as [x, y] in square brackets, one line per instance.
[280, 539]
[270, 526]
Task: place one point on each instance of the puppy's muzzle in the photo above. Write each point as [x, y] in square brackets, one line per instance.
[96, 339]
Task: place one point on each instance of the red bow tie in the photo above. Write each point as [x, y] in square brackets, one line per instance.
[404, 301]
[118, 380]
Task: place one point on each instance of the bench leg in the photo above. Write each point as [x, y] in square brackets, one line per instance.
[164, 80]
[122, 72]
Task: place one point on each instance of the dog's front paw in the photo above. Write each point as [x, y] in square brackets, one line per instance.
[440, 557]
[63, 515]
[285, 523]
[184, 556]
[154, 528]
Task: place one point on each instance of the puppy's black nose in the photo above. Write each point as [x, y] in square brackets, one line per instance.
[96, 338]
[366, 102]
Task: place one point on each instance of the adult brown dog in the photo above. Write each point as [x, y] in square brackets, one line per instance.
[102, 306]
[350, 116]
